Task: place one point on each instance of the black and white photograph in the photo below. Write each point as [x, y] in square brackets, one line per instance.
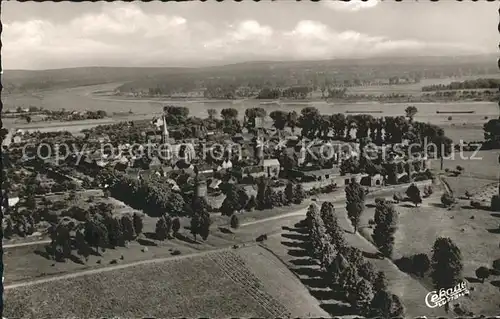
[265, 159]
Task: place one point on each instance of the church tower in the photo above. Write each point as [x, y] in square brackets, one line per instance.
[164, 133]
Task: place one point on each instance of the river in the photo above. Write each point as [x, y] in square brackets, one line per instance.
[82, 98]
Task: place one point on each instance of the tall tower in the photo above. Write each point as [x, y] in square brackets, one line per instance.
[164, 133]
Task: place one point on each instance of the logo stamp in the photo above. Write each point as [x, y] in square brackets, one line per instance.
[439, 298]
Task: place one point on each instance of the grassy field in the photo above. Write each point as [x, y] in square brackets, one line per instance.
[480, 188]
[29, 262]
[483, 165]
[289, 246]
[220, 285]
[473, 231]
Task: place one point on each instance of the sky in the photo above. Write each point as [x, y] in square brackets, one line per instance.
[50, 35]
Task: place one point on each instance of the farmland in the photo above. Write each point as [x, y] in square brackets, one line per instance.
[223, 287]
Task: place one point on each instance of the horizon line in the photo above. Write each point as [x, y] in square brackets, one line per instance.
[222, 64]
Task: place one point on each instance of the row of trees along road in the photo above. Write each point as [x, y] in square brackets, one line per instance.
[345, 268]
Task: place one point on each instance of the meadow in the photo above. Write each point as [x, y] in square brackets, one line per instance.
[473, 231]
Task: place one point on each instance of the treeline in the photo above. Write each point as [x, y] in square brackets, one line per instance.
[90, 230]
[152, 195]
[316, 74]
[464, 85]
[344, 267]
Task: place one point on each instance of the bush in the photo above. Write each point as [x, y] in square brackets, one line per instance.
[405, 264]
[397, 197]
[428, 190]
[495, 203]
[496, 264]
[482, 273]
[475, 204]
[447, 200]
[417, 264]
[404, 179]
[421, 264]
[235, 223]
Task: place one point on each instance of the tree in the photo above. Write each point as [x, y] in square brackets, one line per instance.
[116, 235]
[299, 194]
[328, 254]
[289, 194]
[446, 264]
[204, 225]
[280, 119]
[229, 114]
[413, 194]
[292, 120]
[482, 273]
[195, 224]
[175, 204]
[421, 264]
[366, 271]
[411, 111]
[386, 219]
[161, 229]
[355, 202]
[212, 113]
[128, 227]
[235, 223]
[176, 226]
[236, 199]
[380, 282]
[362, 296]
[386, 305]
[348, 280]
[138, 223]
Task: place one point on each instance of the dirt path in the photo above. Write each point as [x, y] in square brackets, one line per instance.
[38, 242]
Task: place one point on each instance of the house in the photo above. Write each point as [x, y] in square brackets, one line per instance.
[227, 164]
[214, 184]
[372, 181]
[271, 167]
[13, 201]
[254, 171]
[322, 174]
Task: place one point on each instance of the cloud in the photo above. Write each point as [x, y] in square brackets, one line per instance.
[124, 35]
[352, 5]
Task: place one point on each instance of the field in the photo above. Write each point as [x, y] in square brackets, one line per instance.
[289, 246]
[482, 165]
[223, 286]
[473, 231]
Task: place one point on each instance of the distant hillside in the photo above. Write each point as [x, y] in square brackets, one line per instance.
[27, 81]
[256, 74]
